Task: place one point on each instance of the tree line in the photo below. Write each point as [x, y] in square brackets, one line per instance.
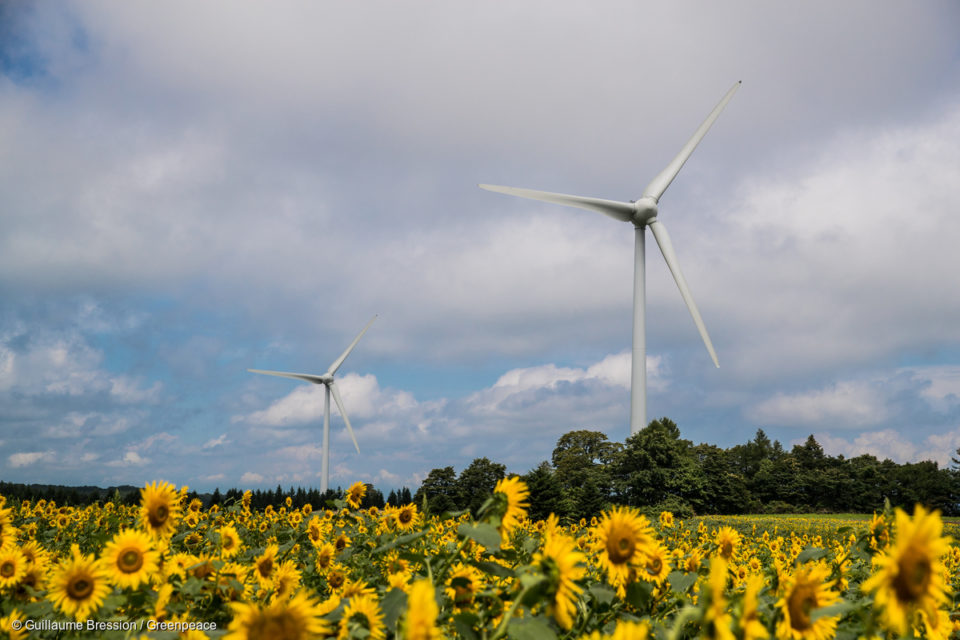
[655, 470]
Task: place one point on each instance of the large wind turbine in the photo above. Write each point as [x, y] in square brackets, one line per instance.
[641, 213]
[329, 387]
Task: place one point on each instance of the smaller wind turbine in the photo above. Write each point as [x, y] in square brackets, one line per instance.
[329, 387]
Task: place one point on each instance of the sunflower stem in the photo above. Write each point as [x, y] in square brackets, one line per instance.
[502, 629]
[686, 615]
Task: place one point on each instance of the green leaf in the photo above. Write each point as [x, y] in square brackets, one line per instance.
[481, 533]
[838, 609]
[602, 594]
[639, 594]
[681, 582]
[401, 540]
[495, 569]
[393, 605]
[530, 629]
[464, 623]
[811, 553]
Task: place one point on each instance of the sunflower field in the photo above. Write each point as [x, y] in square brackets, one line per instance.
[171, 569]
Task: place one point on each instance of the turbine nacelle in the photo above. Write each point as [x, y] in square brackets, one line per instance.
[646, 211]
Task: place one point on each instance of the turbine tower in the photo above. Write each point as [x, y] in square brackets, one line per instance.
[329, 387]
[641, 213]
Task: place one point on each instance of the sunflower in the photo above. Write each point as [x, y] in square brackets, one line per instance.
[362, 611]
[336, 577]
[666, 519]
[562, 565]
[727, 541]
[716, 619]
[7, 626]
[511, 495]
[13, 566]
[909, 573]
[465, 581]
[626, 630]
[803, 592]
[286, 578]
[325, 557]
[297, 618]
[406, 517]
[129, 559]
[353, 588]
[420, 622]
[623, 537]
[342, 542]
[160, 509]
[749, 622]
[229, 541]
[355, 494]
[657, 564]
[264, 566]
[79, 585]
[315, 531]
[8, 533]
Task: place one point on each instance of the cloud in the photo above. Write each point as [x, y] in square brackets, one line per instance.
[216, 442]
[24, 459]
[890, 444]
[845, 404]
[249, 478]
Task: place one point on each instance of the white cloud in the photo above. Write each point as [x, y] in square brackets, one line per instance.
[28, 458]
[251, 478]
[303, 404]
[216, 442]
[843, 405]
[896, 446]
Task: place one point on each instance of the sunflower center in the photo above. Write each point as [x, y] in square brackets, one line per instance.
[726, 549]
[405, 517]
[913, 577]
[278, 626]
[620, 546]
[80, 588]
[340, 544]
[7, 569]
[265, 567]
[802, 601]
[654, 566]
[335, 580]
[158, 515]
[130, 561]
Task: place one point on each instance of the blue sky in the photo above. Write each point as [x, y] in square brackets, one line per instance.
[188, 191]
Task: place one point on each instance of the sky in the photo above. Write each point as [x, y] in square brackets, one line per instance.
[191, 190]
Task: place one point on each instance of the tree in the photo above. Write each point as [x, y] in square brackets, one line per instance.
[723, 490]
[580, 462]
[546, 494]
[656, 464]
[439, 489]
[476, 483]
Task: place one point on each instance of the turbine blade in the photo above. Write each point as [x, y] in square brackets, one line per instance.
[306, 377]
[666, 248]
[343, 356]
[343, 413]
[622, 211]
[659, 184]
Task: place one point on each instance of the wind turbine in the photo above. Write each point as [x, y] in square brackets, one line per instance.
[641, 213]
[329, 387]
